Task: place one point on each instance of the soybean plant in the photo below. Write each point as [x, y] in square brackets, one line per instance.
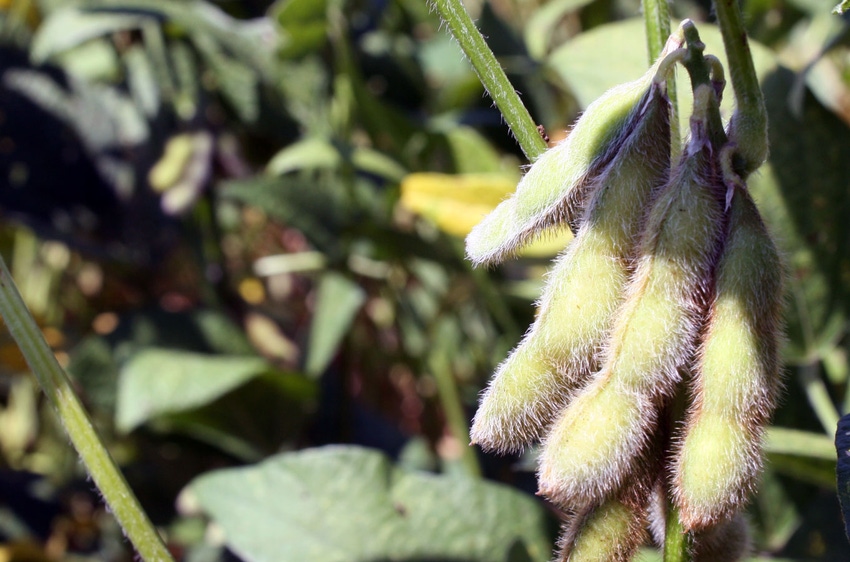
[672, 287]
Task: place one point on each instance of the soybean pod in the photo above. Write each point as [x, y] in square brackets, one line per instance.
[583, 291]
[736, 375]
[557, 187]
[603, 435]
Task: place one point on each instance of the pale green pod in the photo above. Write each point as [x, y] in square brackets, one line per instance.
[600, 439]
[611, 532]
[583, 291]
[556, 188]
[736, 375]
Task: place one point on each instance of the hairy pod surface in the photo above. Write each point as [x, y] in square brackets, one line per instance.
[611, 532]
[736, 376]
[602, 437]
[583, 291]
[556, 188]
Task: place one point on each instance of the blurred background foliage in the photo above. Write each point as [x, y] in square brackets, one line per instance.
[240, 225]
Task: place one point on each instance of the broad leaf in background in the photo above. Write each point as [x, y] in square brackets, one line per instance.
[472, 153]
[346, 504]
[338, 299]
[160, 381]
[314, 153]
[303, 24]
[70, 27]
[313, 207]
[802, 454]
[611, 47]
[541, 25]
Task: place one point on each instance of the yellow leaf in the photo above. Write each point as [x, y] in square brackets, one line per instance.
[456, 203]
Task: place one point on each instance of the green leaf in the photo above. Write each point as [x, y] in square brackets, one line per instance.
[303, 25]
[292, 13]
[250, 41]
[819, 472]
[619, 49]
[318, 153]
[250, 422]
[338, 299]
[142, 80]
[374, 162]
[237, 81]
[70, 27]
[472, 153]
[540, 27]
[307, 153]
[160, 381]
[841, 8]
[346, 504]
[796, 442]
[315, 206]
[809, 457]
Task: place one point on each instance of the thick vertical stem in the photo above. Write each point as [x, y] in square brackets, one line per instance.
[492, 76]
[57, 388]
[748, 129]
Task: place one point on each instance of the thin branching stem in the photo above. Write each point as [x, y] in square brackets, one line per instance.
[53, 380]
[748, 129]
[492, 77]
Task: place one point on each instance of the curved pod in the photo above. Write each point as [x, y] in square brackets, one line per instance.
[736, 376]
[556, 188]
[583, 291]
[601, 438]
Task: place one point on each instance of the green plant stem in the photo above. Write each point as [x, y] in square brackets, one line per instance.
[57, 388]
[450, 401]
[700, 73]
[676, 547]
[493, 77]
[818, 396]
[656, 15]
[748, 129]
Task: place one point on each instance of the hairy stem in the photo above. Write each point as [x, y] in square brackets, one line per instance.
[493, 77]
[748, 129]
[57, 388]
